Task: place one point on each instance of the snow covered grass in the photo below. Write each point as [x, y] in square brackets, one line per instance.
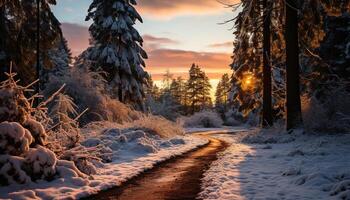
[276, 165]
[151, 124]
[203, 119]
[156, 125]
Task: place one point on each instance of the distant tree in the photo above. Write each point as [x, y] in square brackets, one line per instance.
[167, 79]
[151, 89]
[61, 58]
[198, 89]
[116, 48]
[178, 90]
[222, 95]
[293, 103]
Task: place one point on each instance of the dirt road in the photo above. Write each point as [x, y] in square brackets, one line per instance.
[176, 179]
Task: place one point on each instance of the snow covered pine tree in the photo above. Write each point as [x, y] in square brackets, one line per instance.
[116, 48]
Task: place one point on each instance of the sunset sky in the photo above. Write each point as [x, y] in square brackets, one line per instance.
[176, 33]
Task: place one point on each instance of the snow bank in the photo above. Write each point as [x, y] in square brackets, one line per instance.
[275, 166]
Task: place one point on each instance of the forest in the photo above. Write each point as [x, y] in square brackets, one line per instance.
[104, 124]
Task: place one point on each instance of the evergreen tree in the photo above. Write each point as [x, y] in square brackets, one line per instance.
[222, 95]
[11, 18]
[246, 92]
[198, 89]
[167, 79]
[178, 90]
[116, 48]
[61, 58]
[50, 35]
[152, 90]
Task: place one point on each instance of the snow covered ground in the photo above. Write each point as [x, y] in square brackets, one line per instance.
[132, 152]
[280, 166]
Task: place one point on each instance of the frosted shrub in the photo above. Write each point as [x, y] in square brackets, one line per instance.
[88, 90]
[23, 155]
[165, 107]
[233, 118]
[66, 130]
[330, 115]
[203, 119]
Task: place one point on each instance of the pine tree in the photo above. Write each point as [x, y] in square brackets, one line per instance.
[222, 95]
[293, 104]
[61, 58]
[198, 89]
[116, 48]
[247, 62]
[167, 79]
[50, 35]
[9, 27]
[178, 90]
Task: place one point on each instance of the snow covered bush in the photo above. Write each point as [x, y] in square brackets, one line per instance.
[88, 90]
[329, 115]
[65, 128]
[203, 119]
[23, 155]
[40, 163]
[15, 140]
[233, 118]
[166, 106]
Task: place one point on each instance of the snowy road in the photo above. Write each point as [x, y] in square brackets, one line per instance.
[179, 178]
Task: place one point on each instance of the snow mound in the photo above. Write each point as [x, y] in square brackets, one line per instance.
[41, 163]
[15, 140]
[11, 171]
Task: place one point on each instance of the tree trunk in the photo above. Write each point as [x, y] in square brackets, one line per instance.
[3, 67]
[38, 68]
[267, 91]
[294, 117]
[38, 47]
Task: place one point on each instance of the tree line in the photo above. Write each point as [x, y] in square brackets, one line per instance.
[179, 96]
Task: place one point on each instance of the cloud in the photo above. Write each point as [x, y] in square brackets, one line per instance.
[77, 36]
[160, 58]
[179, 61]
[172, 8]
[153, 42]
[221, 45]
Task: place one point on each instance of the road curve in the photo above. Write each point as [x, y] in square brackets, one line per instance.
[176, 179]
